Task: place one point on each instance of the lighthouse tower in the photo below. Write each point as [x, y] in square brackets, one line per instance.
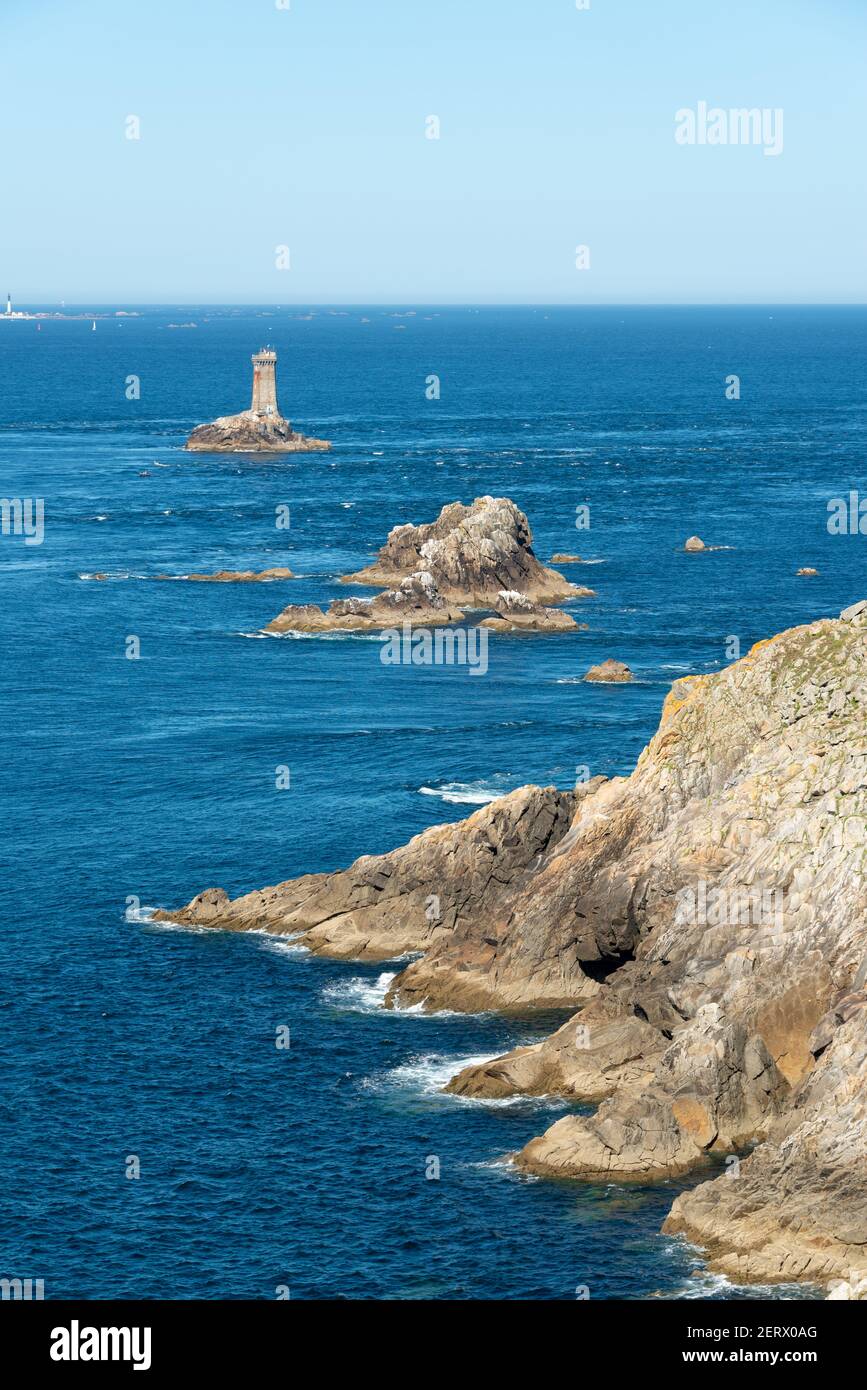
[8, 303]
[265, 383]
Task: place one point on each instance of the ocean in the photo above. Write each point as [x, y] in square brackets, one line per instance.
[134, 783]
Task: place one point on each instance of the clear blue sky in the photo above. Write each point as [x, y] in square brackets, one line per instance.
[262, 127]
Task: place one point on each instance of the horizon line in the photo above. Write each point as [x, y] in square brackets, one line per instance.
[52, 305]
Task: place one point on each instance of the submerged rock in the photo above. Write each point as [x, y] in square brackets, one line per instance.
[416, 600]
[516, 613]
[609, 672]
[474, 553]
[235, 576]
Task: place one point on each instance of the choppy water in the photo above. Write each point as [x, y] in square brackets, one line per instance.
[151, 779]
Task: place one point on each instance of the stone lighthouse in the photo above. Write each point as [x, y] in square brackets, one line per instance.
[265, 382]
[259, 430]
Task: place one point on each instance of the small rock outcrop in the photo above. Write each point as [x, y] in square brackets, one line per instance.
[247, 433]
[415, 600]
[261, 429]
[517, 613]
[696, 544]
[566, 559]
[609, 672]
[474, 553]
[235, 576]
[807, 571]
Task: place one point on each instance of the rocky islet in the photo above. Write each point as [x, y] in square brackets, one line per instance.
[434, 573]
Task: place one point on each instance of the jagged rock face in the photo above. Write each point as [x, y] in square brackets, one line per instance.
[416, 601]
[473, 554]
[248, 433]
[797, 1207]
[753, 790]
[712, 1089]
[706, 1040]
[386, 905]
[517, 613]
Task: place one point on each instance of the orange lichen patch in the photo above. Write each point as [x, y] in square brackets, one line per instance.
[765, 642]
[677, 697]
[759, 646]
[695, 1117]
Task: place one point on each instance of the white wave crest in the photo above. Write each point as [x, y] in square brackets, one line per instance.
[427, 1073]
[465, 793]
[279, 946]
[361, 994]
[143, 916]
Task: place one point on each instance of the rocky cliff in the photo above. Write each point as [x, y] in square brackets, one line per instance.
[708, 917]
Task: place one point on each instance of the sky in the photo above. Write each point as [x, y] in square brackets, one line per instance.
[265, 124]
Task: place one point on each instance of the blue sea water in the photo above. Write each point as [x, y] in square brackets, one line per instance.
[144, 781]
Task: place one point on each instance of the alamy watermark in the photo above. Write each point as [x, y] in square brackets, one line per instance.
[741, 125]
[77, 1343]
[23, 516]
[733, 905]
[442, 646]
[847, 516]
[22, 1289]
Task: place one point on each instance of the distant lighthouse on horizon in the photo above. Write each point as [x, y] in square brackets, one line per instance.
[13, 313]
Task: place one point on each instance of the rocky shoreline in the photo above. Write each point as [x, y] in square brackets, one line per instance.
[707, 919]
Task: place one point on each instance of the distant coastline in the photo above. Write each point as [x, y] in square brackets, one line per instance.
[19, 316]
